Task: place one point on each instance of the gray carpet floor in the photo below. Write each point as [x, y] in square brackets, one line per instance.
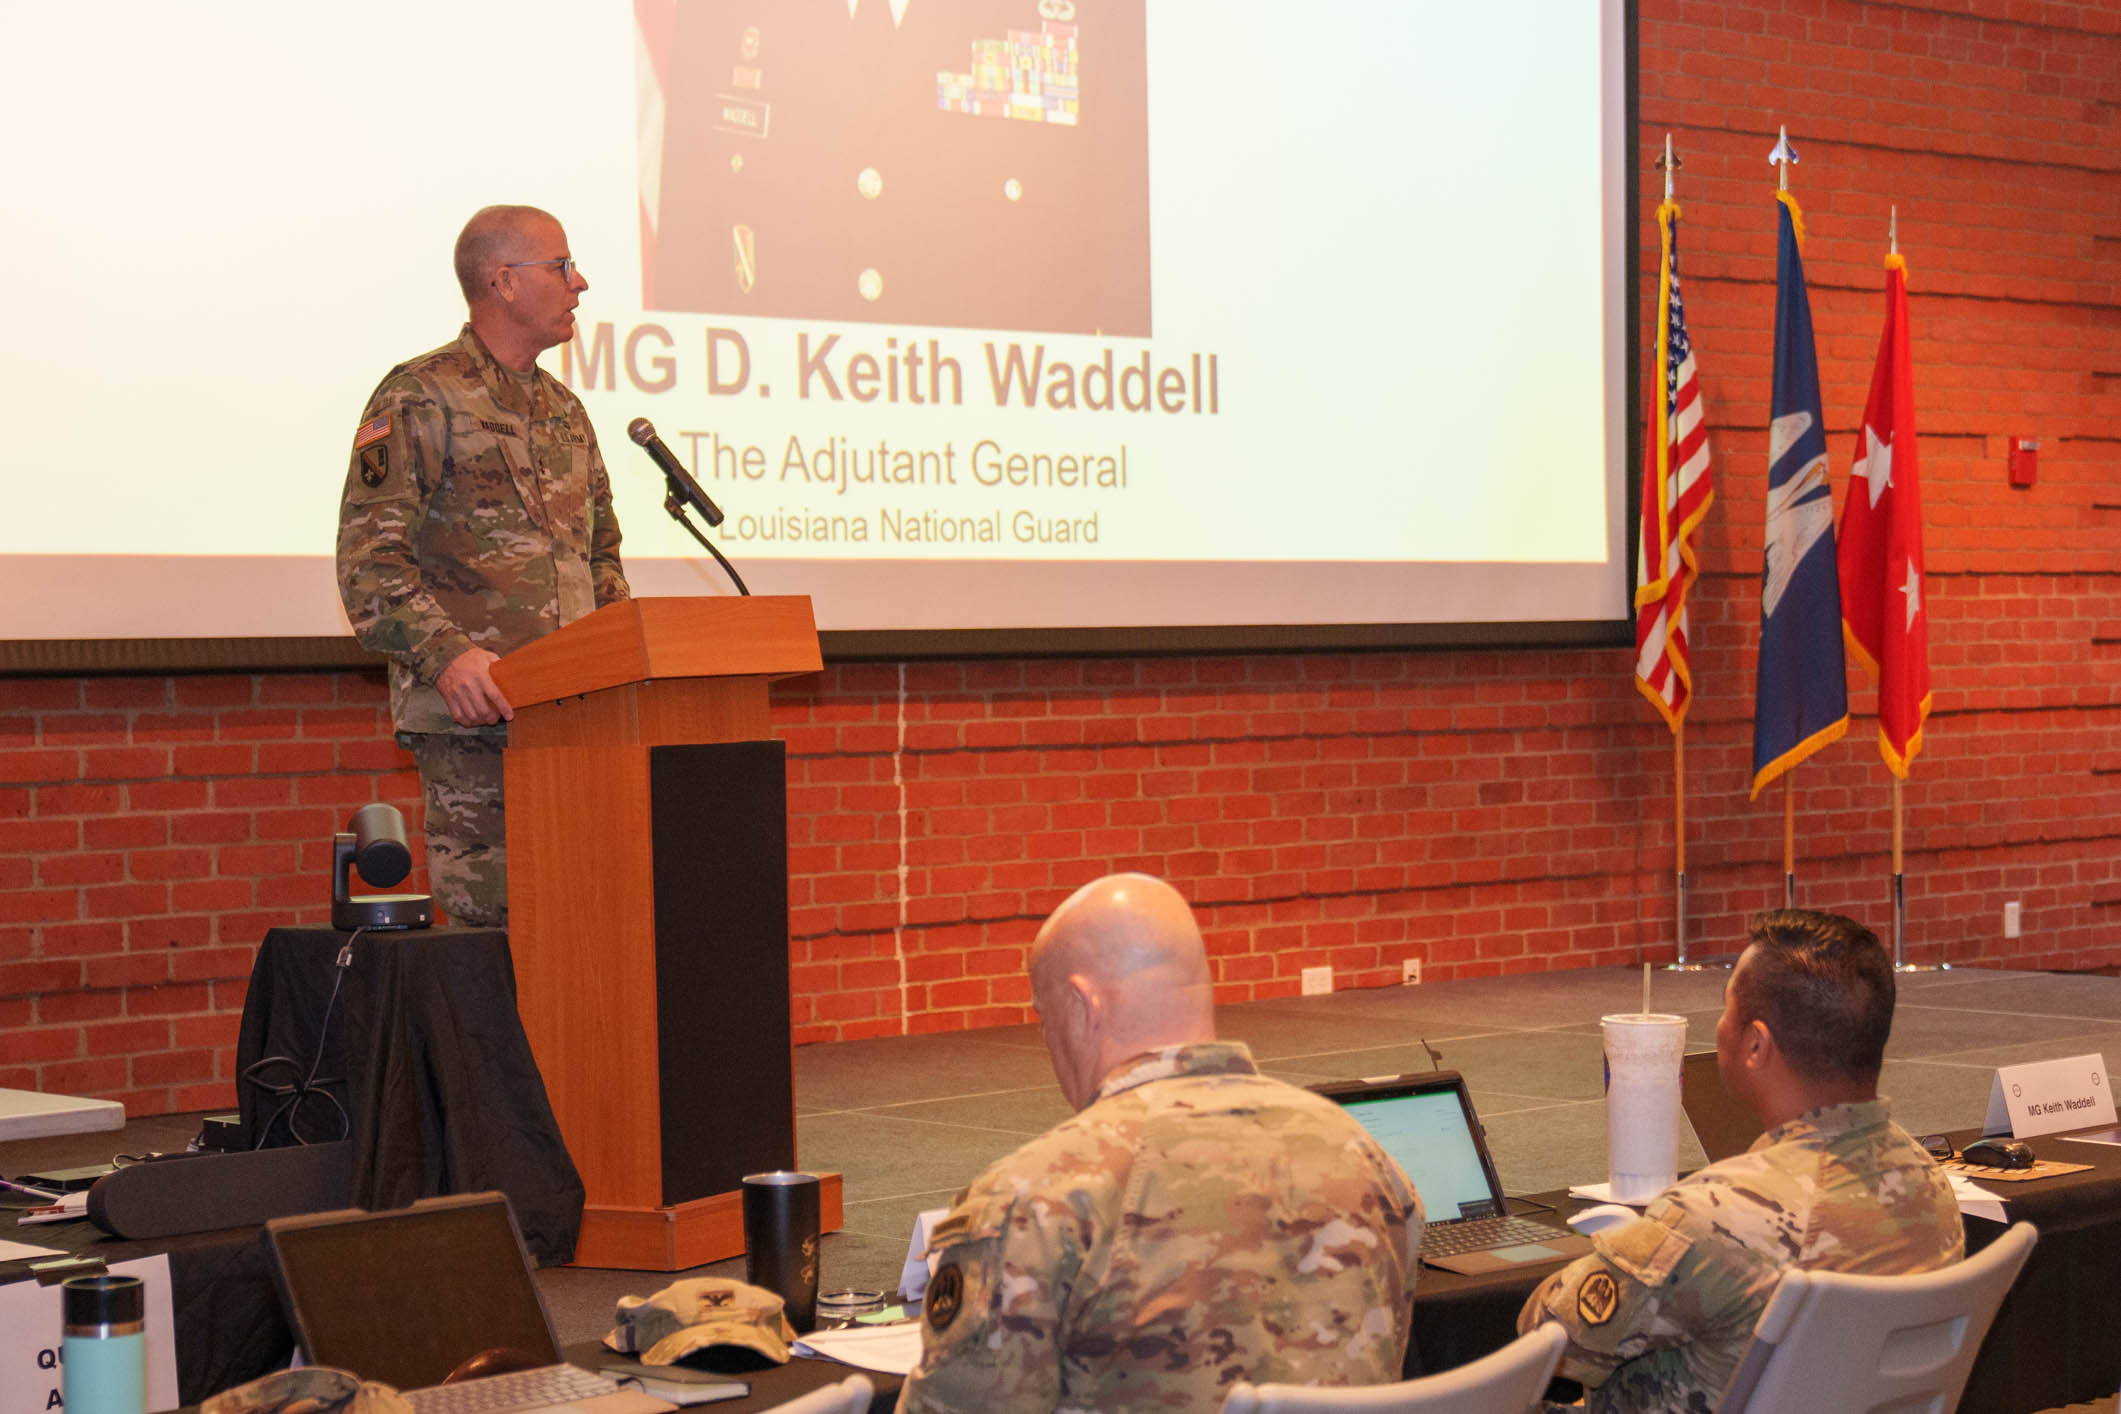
[909, 1120]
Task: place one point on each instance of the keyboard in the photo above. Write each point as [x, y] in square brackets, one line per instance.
[541, 1388]
[1483, 1234]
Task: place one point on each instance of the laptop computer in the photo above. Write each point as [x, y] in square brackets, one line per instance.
[1723, 1125]
[1427, 1123]
[407, 1296]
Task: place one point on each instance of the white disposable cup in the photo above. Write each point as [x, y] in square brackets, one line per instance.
[1642, 1054]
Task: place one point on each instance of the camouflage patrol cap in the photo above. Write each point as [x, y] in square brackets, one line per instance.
[704, 1311]
[319, 1388]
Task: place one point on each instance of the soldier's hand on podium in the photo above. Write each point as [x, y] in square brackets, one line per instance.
[469, 691]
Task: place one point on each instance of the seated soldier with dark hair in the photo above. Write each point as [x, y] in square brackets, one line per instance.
[1660, 1313]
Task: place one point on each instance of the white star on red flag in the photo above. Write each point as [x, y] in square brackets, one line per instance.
[1876, 467]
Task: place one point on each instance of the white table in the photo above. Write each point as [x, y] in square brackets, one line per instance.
[26, 1114]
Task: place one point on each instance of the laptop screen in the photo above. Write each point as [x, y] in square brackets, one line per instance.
[1722, 1124]
[406, 1296]
[1426, 1124]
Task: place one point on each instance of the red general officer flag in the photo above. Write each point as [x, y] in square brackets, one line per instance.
[1884, 609]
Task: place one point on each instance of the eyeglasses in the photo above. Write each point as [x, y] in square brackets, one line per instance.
[565, 264]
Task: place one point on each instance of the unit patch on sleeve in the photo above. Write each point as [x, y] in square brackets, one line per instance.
[1597, 1298]
[945, 1294]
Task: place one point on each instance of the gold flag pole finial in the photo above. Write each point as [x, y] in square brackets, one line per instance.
[1784, 156]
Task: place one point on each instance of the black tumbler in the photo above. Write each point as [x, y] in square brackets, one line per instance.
[780, 1240]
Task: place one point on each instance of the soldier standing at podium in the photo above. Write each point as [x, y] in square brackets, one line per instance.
[476, 518]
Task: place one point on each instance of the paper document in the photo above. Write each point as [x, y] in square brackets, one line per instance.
[675, 1392]
[1974, 1200]
[16, 1251]
[890, 1350]
[1599, 1193]
[919, 1265]
[73, 1205]
[2096, 1136]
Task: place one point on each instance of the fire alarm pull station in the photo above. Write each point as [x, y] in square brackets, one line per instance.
[2024, 460]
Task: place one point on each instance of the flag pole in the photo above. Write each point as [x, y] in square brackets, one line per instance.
[1783, 156]
[1789, 838]
[1892, 239]
[1679, 962]
[1899, 885]
[1900, 962]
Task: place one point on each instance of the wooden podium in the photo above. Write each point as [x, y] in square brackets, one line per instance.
[648, 912]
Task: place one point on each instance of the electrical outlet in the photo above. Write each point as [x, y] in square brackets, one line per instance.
[2010, 919]
[1317, 981]
[1410, 972]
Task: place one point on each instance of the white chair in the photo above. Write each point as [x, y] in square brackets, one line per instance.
[1830, 1340]
[1508, 1382]
[849, 1396]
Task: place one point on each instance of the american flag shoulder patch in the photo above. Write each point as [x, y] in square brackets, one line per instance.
[373, 430]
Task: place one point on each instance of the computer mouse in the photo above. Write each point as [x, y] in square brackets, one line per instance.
[1998, 1154]
[1601, 1217]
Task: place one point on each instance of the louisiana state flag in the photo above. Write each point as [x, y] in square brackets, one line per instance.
[1800, 699]
[1882, 612]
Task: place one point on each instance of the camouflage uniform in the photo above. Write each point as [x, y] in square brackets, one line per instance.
[476, 515]
[1197, 1225]
[1662, 1310]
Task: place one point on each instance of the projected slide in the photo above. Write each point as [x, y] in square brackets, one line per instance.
[970, 313]
[769, 130]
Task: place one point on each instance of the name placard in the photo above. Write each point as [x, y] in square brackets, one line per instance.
[920, 1264]
[2042, 1097]
[30, 1324]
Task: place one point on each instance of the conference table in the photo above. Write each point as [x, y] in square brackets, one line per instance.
[2053, 1341]
[32, 1114]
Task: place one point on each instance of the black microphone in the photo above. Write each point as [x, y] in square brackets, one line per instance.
[642, 431]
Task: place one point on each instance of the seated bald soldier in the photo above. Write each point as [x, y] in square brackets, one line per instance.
[1660, 1313]
[1195, 1224]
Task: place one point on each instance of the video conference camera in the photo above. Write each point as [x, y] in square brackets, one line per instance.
[373, 845]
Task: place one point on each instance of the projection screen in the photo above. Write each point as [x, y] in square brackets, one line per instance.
[1016, 315]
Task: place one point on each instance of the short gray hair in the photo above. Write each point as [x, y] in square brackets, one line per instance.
[487, 240]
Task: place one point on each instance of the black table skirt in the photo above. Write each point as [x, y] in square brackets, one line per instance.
[423, 1064]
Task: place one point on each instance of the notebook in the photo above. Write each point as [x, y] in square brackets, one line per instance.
[407, 1296]
[1427, 1123]
[1723, 1125]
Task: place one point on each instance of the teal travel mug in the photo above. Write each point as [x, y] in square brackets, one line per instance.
[103, 1348]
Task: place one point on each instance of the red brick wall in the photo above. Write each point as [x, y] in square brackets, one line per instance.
[151, 830]
[1482, 811]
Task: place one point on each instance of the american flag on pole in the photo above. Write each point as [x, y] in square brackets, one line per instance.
[1676, 492]
[1883, 616]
